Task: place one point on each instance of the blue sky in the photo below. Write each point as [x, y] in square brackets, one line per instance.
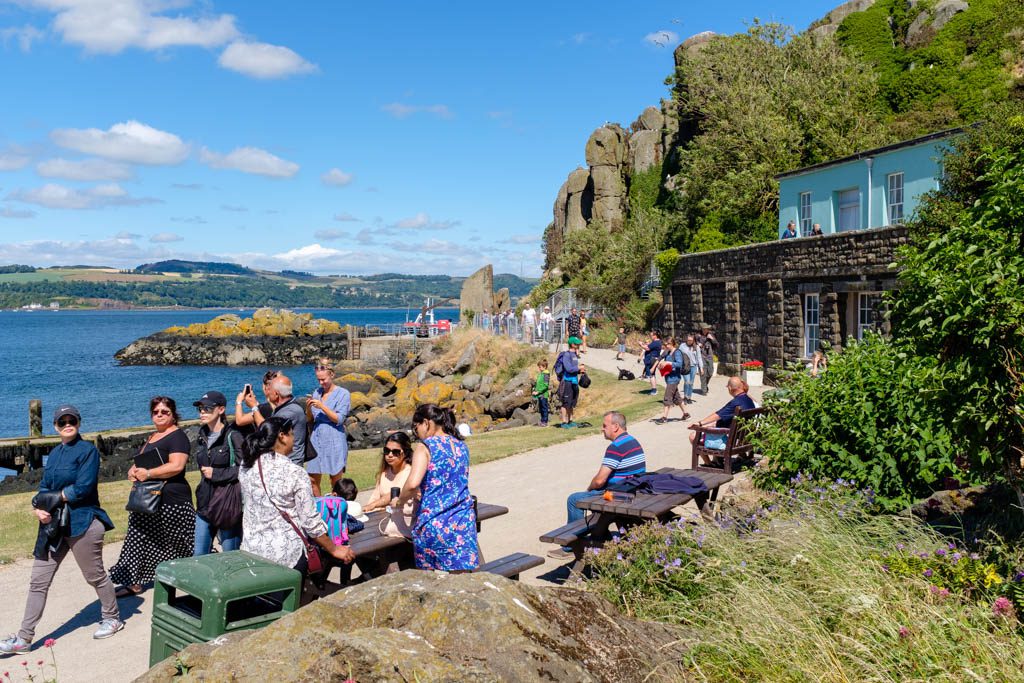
[328, 136]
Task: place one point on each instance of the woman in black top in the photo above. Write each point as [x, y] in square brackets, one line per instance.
[169, 534]
[218, 453]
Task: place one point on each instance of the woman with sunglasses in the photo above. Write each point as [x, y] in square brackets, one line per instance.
[218, 453]
[444, 535]
[395, 465]
[69, 479]
[169, 534]
[326, 408]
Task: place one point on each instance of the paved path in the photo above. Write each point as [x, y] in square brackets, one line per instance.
[532, 485]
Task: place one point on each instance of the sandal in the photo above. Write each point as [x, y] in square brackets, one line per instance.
[128, 591]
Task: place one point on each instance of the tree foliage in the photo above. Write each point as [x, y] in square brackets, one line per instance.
[766, 101]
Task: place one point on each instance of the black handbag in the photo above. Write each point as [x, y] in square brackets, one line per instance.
[146, 496]
[224, 511]
[314, 562]
[584, 380]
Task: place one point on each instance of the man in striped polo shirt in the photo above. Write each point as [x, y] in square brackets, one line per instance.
[624, 457]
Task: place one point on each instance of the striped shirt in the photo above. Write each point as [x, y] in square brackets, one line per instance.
[625, 457]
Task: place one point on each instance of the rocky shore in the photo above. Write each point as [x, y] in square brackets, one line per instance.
[269, 337]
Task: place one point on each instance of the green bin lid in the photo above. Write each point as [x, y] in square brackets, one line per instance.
[226, 574]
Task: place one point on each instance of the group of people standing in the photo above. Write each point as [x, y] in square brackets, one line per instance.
[679, 364]
[260, 479]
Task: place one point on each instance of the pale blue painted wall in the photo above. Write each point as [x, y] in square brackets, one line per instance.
[921, 168]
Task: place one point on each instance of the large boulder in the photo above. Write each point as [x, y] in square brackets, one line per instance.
[477, 292]
[606, 146]
[466, 359]
[502, 300]
[650, 119]
[580, 200]
[929, 22]
[693, 45]
[645, 150]
[471, 382]
[433, 626]
[357, 382]
[432, 391]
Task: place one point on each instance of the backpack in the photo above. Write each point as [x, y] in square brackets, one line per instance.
[334, 511]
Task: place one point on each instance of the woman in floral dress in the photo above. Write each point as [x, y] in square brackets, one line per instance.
[444, 534]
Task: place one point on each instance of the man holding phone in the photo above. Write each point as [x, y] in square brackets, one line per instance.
[249, 413]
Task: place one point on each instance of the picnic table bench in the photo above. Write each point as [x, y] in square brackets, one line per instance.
[375, 551]
[630, 509]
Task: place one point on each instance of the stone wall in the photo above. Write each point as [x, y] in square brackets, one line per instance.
[752, 296]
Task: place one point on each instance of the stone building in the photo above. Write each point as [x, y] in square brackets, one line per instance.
[777, 301]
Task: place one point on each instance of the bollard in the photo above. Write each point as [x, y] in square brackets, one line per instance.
[35, 417]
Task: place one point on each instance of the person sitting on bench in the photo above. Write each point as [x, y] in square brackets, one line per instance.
[623, 458]
[723, 416]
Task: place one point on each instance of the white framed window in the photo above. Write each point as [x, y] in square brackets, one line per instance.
[849, 210]
[805, 214]
[869, 305]
[895, 198]
[812, 333]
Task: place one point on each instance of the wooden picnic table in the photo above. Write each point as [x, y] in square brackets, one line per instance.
[376, 551]
[630, 509]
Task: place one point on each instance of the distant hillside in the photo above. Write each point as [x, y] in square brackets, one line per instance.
[210, 267]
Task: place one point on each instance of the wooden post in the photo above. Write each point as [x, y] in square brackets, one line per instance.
[35, 417]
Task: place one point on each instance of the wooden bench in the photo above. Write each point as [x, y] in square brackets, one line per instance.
[736, 445]
[512, 565]
[568, 534]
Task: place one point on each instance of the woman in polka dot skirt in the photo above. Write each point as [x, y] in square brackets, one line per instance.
[170, 532]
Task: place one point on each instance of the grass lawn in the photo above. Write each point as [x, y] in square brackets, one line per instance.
[18, 534]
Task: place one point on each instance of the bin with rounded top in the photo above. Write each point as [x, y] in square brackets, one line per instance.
[197, 599]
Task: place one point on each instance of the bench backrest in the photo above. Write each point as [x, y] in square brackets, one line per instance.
[737, 442]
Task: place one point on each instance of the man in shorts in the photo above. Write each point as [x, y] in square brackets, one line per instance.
[724, 415]
[568, 369]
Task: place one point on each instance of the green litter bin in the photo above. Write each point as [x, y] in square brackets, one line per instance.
[197, 599]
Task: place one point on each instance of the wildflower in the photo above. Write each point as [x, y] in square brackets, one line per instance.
[975, 556]
[928, 573]
[1002, 607]
[677, 562]
[618, 557]
[900, 546]
[49, 642]
[951, 546]
[904, 632]
[940, 552]
[885, 567]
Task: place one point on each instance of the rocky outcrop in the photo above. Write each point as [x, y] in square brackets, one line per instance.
[165, 348]
[477, 292]
[432, 626]
[827, 25]
[930, 21]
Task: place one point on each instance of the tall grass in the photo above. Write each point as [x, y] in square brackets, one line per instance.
[799, 590]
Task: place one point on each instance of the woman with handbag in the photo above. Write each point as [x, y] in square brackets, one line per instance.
[161, 519]
[70, 519]
[281, 523]
[218, 452]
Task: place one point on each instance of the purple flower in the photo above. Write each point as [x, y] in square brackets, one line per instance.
[940, 552]
[618, 557]
[900, 546]
[677, 562]
[928, 573]
[975, 556]
[904, 632]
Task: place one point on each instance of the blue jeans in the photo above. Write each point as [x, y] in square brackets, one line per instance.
[544, 405]
[230, 539]
[688, 382]
[574, 513]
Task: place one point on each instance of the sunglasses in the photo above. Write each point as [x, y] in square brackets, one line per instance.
[161, 411]
[323, 367]
[397, 452]
[207, 409]
[67, 422]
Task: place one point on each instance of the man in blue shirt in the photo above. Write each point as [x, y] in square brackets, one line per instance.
[790, 231]
[623, 458]
[568, 369]
[724, 415]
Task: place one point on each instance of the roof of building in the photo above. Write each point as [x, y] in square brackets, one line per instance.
[874, 152]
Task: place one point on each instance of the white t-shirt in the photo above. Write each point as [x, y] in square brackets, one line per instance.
[529, 317]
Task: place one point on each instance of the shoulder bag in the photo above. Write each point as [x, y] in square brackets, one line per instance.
[314, 564]
[224, 510]
[146, 496]
[584, 380]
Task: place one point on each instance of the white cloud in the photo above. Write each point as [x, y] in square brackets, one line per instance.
[165, 237]
[422, 221]
[263, 60]
[187, 186]
[110, 26]
[330, 235]
[337, 178]
[250, 160]
[12, 161]
[24, 35]
[192, 220]
[404, 111]
[54, 196]
[87, 170]
[233, 208]
[131, 142]
[662, 38]
[125, 235]
[345, 217]
[8, 212]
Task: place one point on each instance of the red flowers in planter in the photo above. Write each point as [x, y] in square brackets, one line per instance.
[753, 365]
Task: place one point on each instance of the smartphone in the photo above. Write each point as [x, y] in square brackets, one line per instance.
[247, 390]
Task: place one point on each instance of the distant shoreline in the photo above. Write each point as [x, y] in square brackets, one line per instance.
[130, 309]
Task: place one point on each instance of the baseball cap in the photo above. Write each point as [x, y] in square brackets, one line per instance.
[211, 399]
[66, 409]
[576, 341]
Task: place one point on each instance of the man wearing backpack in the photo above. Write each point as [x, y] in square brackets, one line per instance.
[568, 370]
[677, 365]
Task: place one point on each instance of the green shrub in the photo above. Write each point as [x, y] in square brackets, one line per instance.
[869, 419]
[666, 261]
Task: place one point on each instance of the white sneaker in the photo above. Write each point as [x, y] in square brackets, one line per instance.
[108, 627]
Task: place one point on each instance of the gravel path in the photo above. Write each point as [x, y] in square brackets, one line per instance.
[533, 485]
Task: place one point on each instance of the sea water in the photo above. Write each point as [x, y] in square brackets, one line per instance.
[68, 357]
